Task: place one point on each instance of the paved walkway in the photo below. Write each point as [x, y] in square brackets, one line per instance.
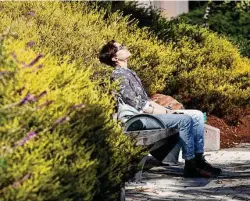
[166, 183]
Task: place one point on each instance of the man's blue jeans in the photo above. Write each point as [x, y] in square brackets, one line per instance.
[191, 130]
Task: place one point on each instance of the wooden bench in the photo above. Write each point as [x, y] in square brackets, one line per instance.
[137, 129]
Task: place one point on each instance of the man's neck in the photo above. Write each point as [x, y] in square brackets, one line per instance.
[122, 64]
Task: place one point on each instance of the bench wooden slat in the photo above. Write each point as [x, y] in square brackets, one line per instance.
[149, 137]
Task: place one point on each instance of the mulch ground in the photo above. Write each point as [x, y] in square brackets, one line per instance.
[231, 135]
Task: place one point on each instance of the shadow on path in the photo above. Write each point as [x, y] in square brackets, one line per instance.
[167, 183]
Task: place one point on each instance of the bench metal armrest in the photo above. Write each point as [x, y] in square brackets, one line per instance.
[144, 136]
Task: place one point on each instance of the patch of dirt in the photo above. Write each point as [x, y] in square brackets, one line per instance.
[231, 135]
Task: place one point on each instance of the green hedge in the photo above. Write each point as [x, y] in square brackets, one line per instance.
[57, 137]
[210, 72]
[173, 64]
[207, 70]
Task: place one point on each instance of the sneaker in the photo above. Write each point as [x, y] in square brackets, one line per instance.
[201, 163]
[191, 171]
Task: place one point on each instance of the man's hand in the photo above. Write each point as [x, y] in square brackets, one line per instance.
[155, 108]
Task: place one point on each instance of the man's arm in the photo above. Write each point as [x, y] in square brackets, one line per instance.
[155, 108]
[129, 96]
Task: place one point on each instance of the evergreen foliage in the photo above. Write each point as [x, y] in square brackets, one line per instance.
[58, 139]
[208, 71]
[230, 18]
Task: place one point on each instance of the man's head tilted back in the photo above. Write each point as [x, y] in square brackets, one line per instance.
[114, 54]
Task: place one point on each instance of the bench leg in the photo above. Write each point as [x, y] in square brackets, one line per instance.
[172, 157]
[122, 194]
[138, 175]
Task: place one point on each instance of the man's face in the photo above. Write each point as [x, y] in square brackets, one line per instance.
[122, 54]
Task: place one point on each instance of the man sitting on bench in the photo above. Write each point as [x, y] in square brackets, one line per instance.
[190, 123]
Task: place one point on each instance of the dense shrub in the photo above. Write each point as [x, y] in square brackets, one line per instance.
[79, 37]
[208, 72]
[58, 140]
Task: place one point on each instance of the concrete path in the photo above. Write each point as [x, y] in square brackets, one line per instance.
[167, 183]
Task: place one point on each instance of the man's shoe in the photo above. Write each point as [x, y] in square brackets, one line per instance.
[201, 163]
[191, 171]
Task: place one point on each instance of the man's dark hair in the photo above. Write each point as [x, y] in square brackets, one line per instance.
[107, 52]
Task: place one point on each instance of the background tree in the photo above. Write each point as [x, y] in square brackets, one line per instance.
[229, 18]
